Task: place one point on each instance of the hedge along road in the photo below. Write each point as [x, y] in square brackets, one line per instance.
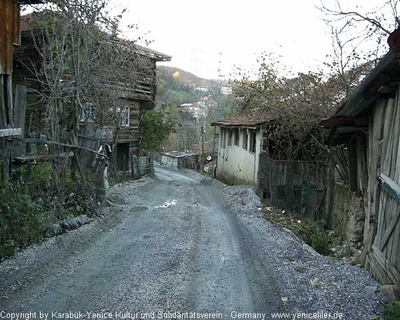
[164, 246]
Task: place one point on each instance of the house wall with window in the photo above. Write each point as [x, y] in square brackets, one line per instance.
[129, 100]
[238, 155]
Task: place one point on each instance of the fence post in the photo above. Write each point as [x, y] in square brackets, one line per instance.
[6, 159]
[330, 194]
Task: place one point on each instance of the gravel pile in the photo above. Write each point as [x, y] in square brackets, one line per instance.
[310, 282]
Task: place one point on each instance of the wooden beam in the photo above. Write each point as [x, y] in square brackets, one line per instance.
[390, 186]
[351, 129]
[20, 107]
[389, 230]
[386, 265]
[10, 132]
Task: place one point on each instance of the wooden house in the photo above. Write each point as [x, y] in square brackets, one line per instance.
[130, 100]
[9, 38]
[368, 126]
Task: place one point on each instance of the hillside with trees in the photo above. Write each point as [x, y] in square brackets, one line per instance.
[176, 87]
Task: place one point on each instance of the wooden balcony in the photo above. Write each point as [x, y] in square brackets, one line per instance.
[143, 90]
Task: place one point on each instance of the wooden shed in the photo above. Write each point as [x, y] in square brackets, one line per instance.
[368, 124]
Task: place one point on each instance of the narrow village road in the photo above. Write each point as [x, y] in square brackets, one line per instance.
[182, 243]
[176, 248]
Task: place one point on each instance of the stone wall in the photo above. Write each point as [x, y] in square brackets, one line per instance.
[348, 213]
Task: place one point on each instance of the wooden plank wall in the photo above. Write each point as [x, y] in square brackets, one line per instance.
[382, 224]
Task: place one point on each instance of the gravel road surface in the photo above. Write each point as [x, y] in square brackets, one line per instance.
[181, 246]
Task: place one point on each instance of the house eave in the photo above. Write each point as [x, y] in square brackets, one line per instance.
[351, 118]
[383, 79]
[30, 2]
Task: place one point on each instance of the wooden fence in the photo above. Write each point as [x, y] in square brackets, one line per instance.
[297, 186]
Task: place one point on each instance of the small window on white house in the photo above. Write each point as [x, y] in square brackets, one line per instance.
[224, 141]
[245, 139]
[125, 116]
[253, 141]
[236, 137]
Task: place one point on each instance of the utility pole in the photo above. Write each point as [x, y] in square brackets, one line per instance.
[220, 76]
[202, 147]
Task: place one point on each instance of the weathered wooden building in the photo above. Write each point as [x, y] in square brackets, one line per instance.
[9, 38]
[368, 128]
[121, 118]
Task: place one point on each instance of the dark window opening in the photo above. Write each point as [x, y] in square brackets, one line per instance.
[253, 141]
[230, 137]
[236, 137]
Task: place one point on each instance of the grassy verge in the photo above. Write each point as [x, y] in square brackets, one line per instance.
[311, 232]
[392, 311]
[34, 201]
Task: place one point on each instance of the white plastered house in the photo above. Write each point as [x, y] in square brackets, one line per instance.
[240, 141]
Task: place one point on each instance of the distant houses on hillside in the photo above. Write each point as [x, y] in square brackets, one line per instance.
[196, 110]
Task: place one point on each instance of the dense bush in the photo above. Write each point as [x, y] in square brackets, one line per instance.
[392, 311]
[31, 204]
[22, 221]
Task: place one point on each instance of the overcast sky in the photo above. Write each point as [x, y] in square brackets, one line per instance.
[200, 34]
[205, 36]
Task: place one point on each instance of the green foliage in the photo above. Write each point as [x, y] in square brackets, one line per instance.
[32, 203]
[311, 232]
[320, 242]
[22, 221]
[392, 311]
[155, 130]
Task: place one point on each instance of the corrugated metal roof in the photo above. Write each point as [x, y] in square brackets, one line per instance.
[153, 53]
[240, 121]
[186, 104]
[30, 1]
[352, 116]
[369, 90]
[179, 154]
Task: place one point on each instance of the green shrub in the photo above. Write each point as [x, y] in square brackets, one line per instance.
[320, 242]
[22, 221]
[37, 198]
[392, 311]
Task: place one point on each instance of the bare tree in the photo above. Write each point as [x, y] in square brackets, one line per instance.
[83, 61]
[292, 107]
[81, 67]
[372, 22]
[358, 37]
